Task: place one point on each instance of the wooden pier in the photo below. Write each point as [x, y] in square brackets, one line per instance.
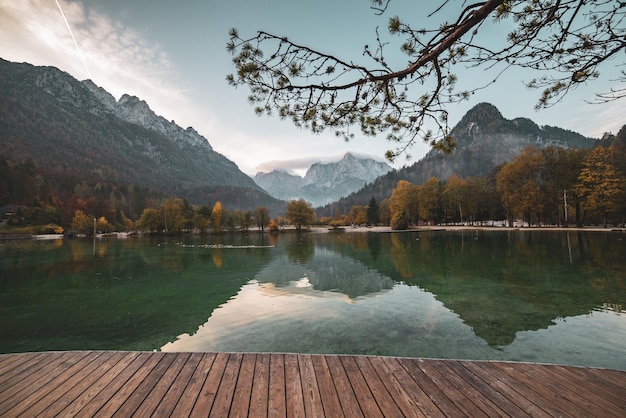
[124, 384]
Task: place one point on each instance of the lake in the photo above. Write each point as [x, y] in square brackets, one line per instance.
[521, 295]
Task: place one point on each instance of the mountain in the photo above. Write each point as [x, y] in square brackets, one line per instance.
[323, 182]
[485, 140]
[60, 123]
[280, 184]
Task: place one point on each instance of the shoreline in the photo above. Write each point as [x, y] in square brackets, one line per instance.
[443, 228]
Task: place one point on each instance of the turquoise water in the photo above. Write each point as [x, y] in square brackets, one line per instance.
[540, 296]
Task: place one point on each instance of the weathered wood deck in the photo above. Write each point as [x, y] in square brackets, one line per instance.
[126, 384]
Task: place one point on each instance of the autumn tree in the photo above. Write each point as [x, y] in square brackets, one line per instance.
[217, 217]
[200, 222]
[82, 223]
[299, 213]
[404, 198]
[519, 183]
[399, 221]
[600, 184]
[173, 214]
[385, 212]
[430, 201]
[243, 219]
[565, 43]
[358, 215]
[150, 220]
[102, 225]
[261, 217]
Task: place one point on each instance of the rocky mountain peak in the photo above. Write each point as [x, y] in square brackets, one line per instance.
[324, 182]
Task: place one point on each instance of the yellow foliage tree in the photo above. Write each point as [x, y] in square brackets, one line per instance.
[81, 223]
[216, 216]
[404, 198]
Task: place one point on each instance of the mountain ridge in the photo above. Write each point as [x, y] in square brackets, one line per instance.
[485, 140]
[323, 182]
[48, 116]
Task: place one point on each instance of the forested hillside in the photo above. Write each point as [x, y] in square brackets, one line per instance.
[485, 140]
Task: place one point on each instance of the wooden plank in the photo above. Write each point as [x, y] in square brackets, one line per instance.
[600, 382]
[156, 386]
[79, 395]
[99, 385]
[451, 381]
[226, 390]
[578, 395]
[293, 387]
[310, 391]
[50, 404]
[535, 401]
[243, 390]
[115, 394]
[395, 378]
[20, 374]
[184, 384]
[385, 401]
[277, 402]
[328, 392]
[348, 400]
[538, 392]
[24, 388]
[612, 382]
[447, 397]
[260, 386]
[138, 388]
[206, 397]
[190, 394]
[177, 387]
[484, 390]
[14, 362]
[364, 395]
[45, 392]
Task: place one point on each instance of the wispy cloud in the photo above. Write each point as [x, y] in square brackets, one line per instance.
[115, 57]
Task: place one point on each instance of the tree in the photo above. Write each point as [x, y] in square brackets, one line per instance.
[520, 183]
[600, 184]
[565, 42]
[399, 221]
[243, 219]
[562, 167]
[430, 201]
[454, 199]
[217, 216]
[173, 214]
[358, 215]
[262, 217]
[404, 198]
[150, 220]
[103, 225]
[299, 212]
[373, 216]
[82, 224]
[200, 222]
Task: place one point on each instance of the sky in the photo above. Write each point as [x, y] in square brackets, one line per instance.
[173, 55]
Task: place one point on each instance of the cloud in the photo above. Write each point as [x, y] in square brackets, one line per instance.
[120, 59]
